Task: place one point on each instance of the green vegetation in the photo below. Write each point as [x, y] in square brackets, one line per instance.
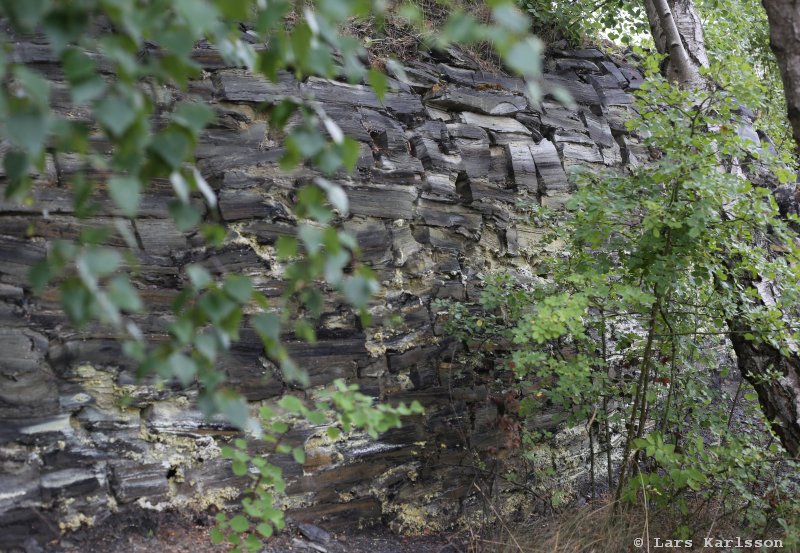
[736, 36]
[622, 332]
[260, 519]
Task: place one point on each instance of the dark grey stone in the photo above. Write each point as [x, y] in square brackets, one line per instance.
[238, 85]
[481, 101]
[580, 92]
[28, 388]
[131, 480]
[384, 201]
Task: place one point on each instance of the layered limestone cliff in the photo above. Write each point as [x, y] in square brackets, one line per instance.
[445, 161]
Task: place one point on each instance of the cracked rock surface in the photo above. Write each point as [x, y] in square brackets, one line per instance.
[446, 158]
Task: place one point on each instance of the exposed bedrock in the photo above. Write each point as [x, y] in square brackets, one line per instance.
[446, 159]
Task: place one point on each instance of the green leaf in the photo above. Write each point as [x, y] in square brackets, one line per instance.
[239, 467]
[350, 152]
[275, 516]
[316, 417]
[299, 455]
[305, 142]
[280, 113]
[172, 146]
[252, 542]
[233, 408]
[85, 84]
[199, 15]
[36, 87]
[280, 427]
[525, 57]
[507, 15]
[305, 330]
[76, 301]
[16, 165]
[216, 306]
[198, 276]
[123, 294]
[217, 536]
[358, 289]
[264, 529]
[206, 345]
[239, 524]
[312, 238]
[183, 330]
[26, 14]
[214, 234]
[334, 266]
[336, 195]
[101, 261]
[285, 247]
[183, 367]
[115, 114]
[124, 192]
[39, 276]
[460, 27]
[562, 95]
[186, 216]
[193, 115]
[238, 287]
[267, 325]
[377, 80]
[27, 128]
[291, 404]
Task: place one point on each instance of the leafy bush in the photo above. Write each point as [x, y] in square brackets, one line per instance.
[584, 21]
[621, 335]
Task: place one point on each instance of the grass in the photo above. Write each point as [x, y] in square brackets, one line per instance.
[399, 39]
[596, 528]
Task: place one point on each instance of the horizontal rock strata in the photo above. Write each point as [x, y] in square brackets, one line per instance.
[448, 159]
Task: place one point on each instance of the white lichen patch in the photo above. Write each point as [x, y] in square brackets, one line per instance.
[415, 520]
[297, 501]
[144, 503]
[72, 523]
[264, 252]
[363, 448]
[86, 372]
[5, 496]
[203, 499]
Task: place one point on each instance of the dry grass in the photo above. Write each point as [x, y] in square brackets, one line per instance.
[399, 39]
[592, 528]
[596, 528]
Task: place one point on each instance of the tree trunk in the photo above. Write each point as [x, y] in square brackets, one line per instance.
[784, 39]
[779, 397]
[678, 32]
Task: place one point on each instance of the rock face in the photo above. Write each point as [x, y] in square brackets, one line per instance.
[446, 159]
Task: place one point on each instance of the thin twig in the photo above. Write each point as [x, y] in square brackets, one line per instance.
[499, 517]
